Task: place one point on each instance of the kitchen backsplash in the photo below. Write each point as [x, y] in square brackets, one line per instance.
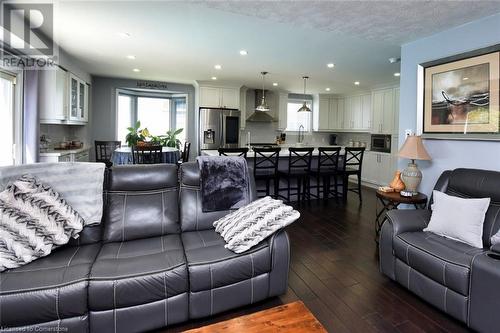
[266, 133]
[59, 133]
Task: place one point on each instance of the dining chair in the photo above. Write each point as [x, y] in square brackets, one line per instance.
[233, 152]
[299, 166]
[185, 152]
[265, 168]
[327, 168]
[352, 166]
[147, 154]
[104, 151]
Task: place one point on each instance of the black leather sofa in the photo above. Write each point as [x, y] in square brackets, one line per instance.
[461, 280]
[154, 261]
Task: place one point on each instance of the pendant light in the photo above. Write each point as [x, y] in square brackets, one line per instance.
[304, 107]
[263, 107]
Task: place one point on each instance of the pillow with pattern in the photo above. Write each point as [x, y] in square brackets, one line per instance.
[34, 220]
[251, 224]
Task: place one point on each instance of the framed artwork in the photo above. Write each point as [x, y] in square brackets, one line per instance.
[461, 97]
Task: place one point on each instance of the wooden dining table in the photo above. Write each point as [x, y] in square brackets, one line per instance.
[123, 155]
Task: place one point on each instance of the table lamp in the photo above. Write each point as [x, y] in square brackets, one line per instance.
[413, 149]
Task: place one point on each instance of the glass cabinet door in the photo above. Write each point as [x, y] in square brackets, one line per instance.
[74, 98]
[82, 100]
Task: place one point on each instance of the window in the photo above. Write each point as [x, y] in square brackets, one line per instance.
[7, 119]
[294, 119]
[157, 112]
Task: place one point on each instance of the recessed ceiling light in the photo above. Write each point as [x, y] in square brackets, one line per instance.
[124, 34]
[137, 70]
[131, 57]
[214, 78]
[397, 74]
[356, 83]
[394, 60]
[218, 67]
[465, 78]
[327, 89]
[243, 52]
[275, 84]
[330, 65]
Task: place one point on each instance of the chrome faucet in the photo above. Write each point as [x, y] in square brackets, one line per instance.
[300, 139]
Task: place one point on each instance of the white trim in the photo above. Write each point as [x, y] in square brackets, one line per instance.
[420, 100]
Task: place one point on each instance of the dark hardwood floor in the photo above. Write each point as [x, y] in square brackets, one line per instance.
[334, 271]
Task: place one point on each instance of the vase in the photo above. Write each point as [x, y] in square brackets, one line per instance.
[396, 183]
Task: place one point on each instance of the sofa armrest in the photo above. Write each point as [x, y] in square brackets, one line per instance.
[484, 293]
[408, 220]
[279, 245]
[396, 223]
[495, 248]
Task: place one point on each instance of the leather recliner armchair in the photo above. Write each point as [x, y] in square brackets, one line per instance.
[154, 261]
[457, 278]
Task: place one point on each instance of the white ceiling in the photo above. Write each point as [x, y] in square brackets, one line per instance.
[182, 41]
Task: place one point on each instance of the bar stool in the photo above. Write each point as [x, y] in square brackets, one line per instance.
[233, 152]
[299, 167]
[328, 165]
[353, 162]
[265, 167]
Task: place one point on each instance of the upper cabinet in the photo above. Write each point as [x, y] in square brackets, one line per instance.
[385, 108]
[282, 110]
[350, 113]
[63, 98]
[219, 97]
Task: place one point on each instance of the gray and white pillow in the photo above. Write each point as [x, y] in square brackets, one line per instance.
[34, 220]
[251, 224]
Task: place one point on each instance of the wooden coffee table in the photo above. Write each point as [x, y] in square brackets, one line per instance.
[293, 317]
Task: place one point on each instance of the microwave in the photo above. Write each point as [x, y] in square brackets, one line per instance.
[381, 143]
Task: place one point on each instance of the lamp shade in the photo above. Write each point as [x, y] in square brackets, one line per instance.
[414, 149]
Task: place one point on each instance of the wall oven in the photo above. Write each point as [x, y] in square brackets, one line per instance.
[219, 128]
[381, 143]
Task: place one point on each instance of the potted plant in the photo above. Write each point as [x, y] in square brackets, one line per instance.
[135, 135]
[170, 139]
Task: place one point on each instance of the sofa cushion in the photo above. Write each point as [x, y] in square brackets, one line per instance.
[137, 272]
[444, 260]
[50, 288]
[211, 265]
[141, 202]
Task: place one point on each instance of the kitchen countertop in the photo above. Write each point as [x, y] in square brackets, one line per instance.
[283, 153]
[53, 152]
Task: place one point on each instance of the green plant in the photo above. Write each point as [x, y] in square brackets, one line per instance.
[170, 140]
[134, 134]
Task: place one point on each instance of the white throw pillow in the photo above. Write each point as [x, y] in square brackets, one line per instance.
[34, 220]
[251, 224]
[458, 218]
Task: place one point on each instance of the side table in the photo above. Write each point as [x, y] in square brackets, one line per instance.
[391, 200]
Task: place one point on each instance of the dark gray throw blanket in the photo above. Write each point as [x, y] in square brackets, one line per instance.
[224, 182]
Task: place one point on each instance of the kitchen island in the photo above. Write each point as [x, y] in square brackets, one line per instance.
[284, 152]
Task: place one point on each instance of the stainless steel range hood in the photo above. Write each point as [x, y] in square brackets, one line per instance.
[262, 116]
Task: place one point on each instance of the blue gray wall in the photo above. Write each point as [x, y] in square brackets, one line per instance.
[446, 154]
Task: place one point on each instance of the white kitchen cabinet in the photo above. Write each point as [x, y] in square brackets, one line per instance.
[378, 168]
[383, 111]
[366, 111]
[220, 97]
[282, 110]
[339, 119]
[243, 107]
[80, 155]
[395, 129]
[357, 113]
[323, 114]
[63, 98]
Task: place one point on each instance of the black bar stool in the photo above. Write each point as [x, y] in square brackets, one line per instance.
[353, 162]
[328, 167]
[299, 167]
[233, 152]
[265, 167]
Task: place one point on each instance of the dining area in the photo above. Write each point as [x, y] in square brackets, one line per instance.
[301, 174]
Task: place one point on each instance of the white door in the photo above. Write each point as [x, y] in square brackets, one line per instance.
[8, 124]
[210, 97]
[74, 86]
[230, 98]
[366, 111]
[323, 114]
[388, 114]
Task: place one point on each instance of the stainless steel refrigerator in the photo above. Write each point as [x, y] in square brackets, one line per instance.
[219, 128]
